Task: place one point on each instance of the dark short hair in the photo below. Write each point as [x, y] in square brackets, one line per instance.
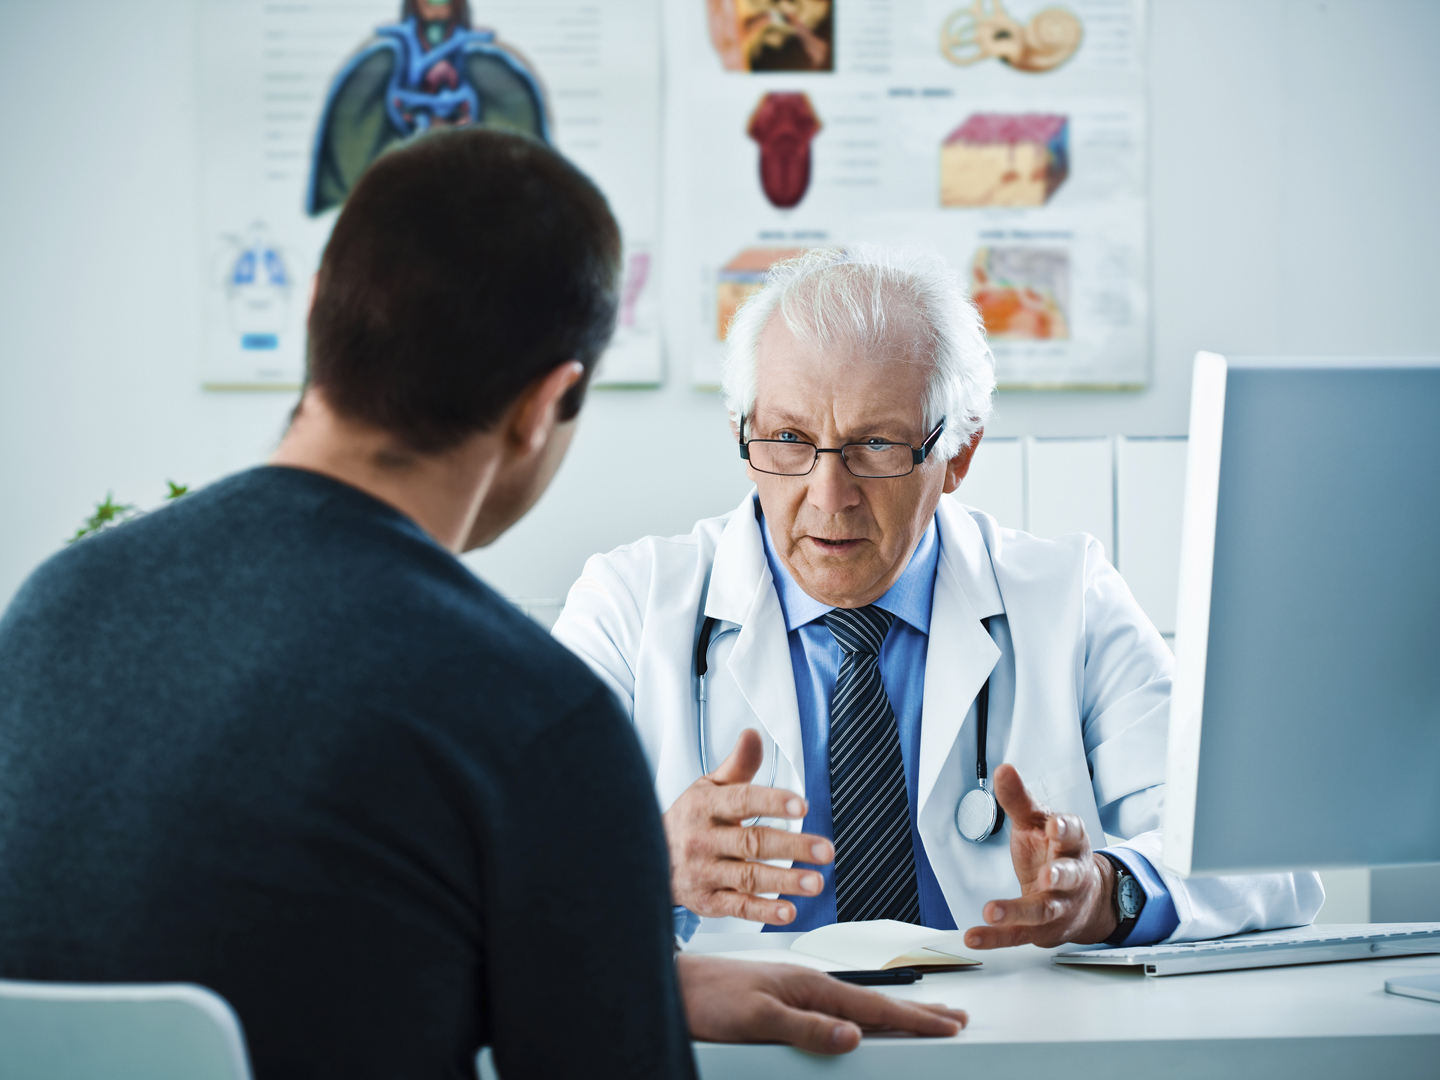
[465, 265]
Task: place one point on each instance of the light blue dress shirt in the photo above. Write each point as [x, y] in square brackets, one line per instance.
[815, 657]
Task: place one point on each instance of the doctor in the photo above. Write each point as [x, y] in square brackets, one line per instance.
[848, 634]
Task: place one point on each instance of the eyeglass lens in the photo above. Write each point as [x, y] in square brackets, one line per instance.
[862, 459]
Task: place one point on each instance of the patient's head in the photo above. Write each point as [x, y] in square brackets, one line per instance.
[881, 353]
[465, 265]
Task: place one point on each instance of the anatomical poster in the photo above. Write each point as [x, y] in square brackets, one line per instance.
[299, 98]
[1008, 134]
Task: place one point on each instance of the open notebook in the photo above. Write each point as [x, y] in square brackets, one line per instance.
[880, 945]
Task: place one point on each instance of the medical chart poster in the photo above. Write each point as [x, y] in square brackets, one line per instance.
[1011, 136]
[292, 96]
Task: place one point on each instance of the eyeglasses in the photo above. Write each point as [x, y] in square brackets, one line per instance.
[871, 459]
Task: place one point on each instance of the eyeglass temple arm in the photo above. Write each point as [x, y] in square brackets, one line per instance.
[744, 447]
[920, 453]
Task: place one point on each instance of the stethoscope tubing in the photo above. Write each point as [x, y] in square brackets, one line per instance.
[981, 796]
[702, 673]
[707, 637]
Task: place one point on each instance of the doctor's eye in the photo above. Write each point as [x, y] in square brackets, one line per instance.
[788, 436]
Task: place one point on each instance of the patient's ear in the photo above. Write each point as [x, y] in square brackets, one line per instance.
[536, 412]
[957, 467]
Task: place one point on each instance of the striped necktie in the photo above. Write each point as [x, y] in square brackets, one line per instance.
[874, 858]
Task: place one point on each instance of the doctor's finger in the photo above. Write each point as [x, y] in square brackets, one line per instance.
[1015, 799]
[738, 802]
[1067, 836]
[744, 760]
[763, 842]
[756, 878]
[1037, 909]
[1000, 937]
[1062, 875]
[723, 903]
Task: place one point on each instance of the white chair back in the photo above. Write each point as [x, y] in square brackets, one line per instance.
[67, 1031]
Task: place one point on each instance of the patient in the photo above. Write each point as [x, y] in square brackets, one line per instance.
[276, 740]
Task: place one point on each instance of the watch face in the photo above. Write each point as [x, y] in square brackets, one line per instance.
[1131, 896]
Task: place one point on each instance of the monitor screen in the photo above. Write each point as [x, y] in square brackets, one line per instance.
[1305, 722]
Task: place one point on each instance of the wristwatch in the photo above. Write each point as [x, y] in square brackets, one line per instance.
[1129, 901]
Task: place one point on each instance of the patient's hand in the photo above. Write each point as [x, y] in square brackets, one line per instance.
[1066, 890]
[715, 863]
[740, 1001]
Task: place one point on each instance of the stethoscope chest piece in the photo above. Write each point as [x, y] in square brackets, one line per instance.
[978, 816]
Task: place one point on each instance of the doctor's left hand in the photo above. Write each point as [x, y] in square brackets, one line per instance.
[1067, 891]
[716, 864]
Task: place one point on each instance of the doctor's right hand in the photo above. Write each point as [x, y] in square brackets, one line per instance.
[717, 865]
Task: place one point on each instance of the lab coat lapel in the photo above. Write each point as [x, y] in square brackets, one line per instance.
[961, 654]
[742, 592]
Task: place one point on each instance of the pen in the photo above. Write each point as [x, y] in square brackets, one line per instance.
[893, 977]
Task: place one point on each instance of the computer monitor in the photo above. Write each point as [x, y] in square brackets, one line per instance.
[1305, 721]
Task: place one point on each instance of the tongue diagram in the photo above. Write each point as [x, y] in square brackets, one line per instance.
[784, 125]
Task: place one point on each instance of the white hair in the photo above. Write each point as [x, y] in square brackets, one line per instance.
[887, 305]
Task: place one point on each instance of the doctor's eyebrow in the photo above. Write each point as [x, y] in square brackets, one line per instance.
[780, 418]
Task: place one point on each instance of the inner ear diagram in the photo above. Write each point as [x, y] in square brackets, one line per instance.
[784, 125]
[985, 30]
[430, 69]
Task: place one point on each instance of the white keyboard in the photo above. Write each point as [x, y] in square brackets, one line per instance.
[1269, 948]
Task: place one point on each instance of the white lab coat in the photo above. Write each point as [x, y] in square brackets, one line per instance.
[1079, 694]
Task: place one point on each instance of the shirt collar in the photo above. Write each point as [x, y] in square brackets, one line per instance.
[909, 598]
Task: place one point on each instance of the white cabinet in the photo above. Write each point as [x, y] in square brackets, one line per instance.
[996, 481]
[1128, 493]
[1150, 503]
[1070, 487]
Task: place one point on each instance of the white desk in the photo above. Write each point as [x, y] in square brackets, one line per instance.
[1030, 1017]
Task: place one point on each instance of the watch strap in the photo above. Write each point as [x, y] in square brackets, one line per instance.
[1124, 923]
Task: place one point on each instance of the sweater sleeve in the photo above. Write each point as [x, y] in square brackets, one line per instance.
[579, 939]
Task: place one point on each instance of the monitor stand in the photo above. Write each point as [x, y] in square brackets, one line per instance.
[1418, 986]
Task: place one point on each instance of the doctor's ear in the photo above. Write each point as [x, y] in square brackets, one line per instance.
[959, 465]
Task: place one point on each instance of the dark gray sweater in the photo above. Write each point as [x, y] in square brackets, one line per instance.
[274, 740]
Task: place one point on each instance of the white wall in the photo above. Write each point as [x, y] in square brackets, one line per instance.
[1294, 170]
[1293, 165]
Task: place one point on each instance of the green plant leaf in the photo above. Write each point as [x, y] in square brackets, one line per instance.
[106, 514]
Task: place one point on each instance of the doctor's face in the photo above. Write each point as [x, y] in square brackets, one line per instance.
[845, 539]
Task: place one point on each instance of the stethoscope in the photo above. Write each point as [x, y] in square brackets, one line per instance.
[977, 816]
[702, 673]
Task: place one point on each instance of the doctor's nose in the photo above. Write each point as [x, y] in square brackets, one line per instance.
[832, 487]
